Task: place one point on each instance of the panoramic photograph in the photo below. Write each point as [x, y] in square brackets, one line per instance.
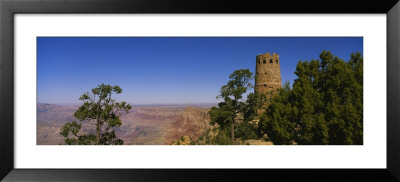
[199, 91]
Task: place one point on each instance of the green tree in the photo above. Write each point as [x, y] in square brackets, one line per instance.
[253, 104]
[215, 136]
[325, 105]
[222, 138]
[233, 104]
[221, 115]
[255, 101]
[278, 121]
[100, 110]
[245, 131]
[342, 95]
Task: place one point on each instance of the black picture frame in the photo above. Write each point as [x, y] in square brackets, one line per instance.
[8, 8]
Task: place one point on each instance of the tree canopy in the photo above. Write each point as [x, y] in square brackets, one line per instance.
[325, 105]
[102, 111]
[233, 105]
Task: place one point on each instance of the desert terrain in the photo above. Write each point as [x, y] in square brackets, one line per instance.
[143, 125]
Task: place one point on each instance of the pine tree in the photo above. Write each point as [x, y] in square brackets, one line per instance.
[227, 111]
[325, 105]
[100, 110]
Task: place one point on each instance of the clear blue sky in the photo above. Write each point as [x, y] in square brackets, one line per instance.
[166, 70]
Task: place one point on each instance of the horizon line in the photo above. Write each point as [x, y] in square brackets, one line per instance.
[138, 104]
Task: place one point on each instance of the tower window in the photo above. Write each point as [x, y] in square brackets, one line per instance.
[265, 85]
[270, 61]
[258, 61]
[264, 61]
[276, 61]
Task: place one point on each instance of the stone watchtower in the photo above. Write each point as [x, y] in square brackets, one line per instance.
[268, 73]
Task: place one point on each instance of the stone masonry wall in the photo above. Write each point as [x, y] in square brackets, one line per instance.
[268, 73]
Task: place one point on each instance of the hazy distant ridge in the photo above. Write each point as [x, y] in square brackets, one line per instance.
[145, 124]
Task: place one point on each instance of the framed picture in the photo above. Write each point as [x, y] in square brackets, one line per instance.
[189, 90]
